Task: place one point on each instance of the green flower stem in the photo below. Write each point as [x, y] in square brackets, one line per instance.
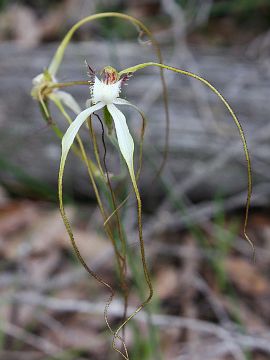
[134, 182]
[143, 258]
[139, 207]
[120, 258]
[235, 119]
[140, 233]
[112, 201]
[95, 146]
[107, 229]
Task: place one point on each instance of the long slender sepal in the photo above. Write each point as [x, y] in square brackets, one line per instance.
[58, 56]
[235, 119]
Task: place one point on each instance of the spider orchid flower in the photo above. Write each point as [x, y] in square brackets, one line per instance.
[104, 93]
[42, 90]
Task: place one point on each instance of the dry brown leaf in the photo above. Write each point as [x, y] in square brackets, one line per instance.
[166, 282]
[49, 231]
[16, 215]
[247, 277]
[29, 230]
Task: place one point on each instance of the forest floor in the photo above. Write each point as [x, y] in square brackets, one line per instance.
[210, 298]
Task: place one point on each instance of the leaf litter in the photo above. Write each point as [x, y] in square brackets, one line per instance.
[37, 260]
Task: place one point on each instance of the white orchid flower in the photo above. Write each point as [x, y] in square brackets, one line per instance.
[41, 87]
[104, 93]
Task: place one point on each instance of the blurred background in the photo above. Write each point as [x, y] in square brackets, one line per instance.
[211, 301]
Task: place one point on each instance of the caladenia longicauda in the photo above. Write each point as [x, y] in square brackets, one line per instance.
[107, 104]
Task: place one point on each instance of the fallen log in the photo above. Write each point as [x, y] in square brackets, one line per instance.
[205, 155]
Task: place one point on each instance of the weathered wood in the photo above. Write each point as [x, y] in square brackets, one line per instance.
[205, 154]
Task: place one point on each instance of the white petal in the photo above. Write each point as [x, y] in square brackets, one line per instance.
[124, 138]
[68, 100]
[73, 129]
